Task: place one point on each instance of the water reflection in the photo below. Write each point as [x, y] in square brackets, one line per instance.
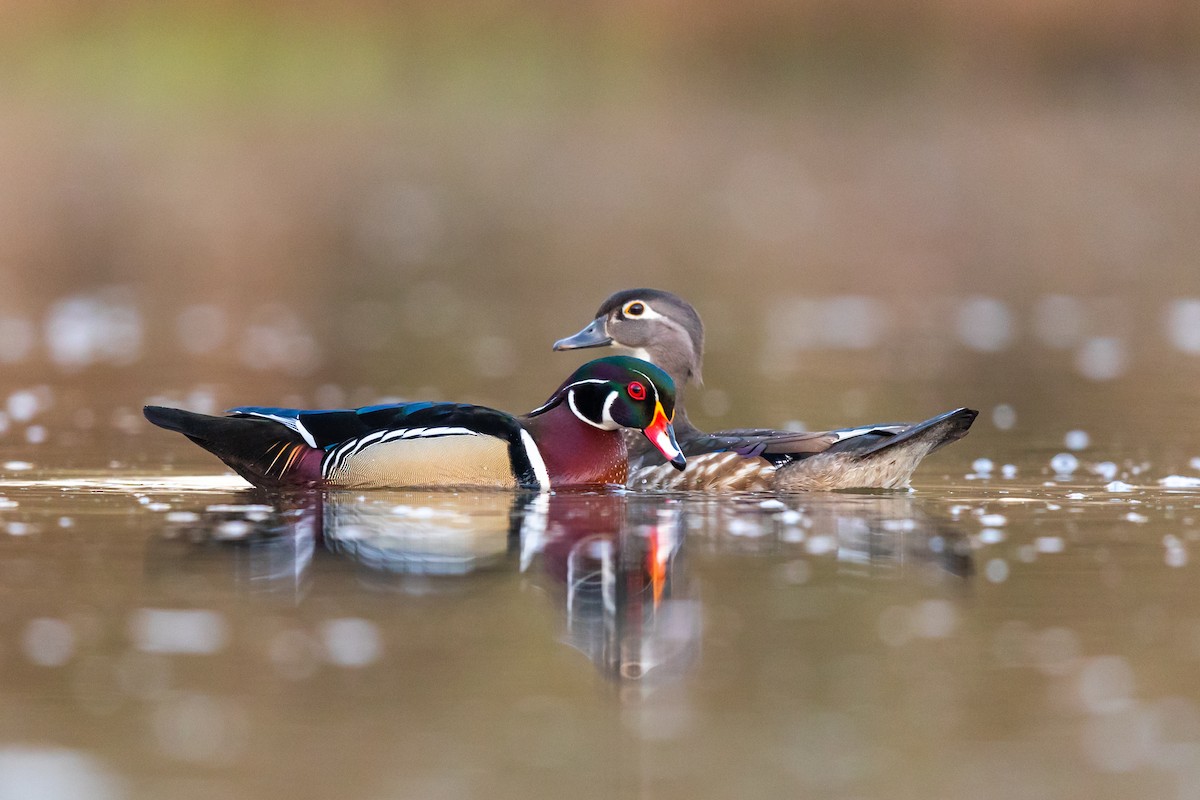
[614, 564]
[630, 604]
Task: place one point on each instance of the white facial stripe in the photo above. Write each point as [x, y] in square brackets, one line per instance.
[546, 405]
[606, 413]
[575, 410]
[649, 381]
[647, 313]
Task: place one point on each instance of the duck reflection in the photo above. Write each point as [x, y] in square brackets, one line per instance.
[265, 544]
[397, 538]
[871, 534]
[612, 560]
[614, 563]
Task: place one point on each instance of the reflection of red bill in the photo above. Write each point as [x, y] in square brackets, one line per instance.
[662, 435]
[657, 567]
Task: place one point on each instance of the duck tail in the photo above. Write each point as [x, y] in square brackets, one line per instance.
[264, 452]
[932, 433]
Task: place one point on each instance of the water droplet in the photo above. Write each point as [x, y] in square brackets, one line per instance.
[1004, 417]
[991, 536]
[1183, 325]
[351, 642]
[1102, 358]
[48, 773]
[996, 570]
[1179, 482]
[985, 324]
[1064, 464]
[934, 619]
[1049, 544]
[983, 466]
[1076, 440]
[49, 642]
[169, 630]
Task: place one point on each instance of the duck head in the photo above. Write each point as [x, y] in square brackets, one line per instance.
[650, 324]
[623, 392]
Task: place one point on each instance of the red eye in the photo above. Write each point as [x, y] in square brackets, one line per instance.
[637, 391]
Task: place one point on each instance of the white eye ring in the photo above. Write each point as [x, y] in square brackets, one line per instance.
[645, 312]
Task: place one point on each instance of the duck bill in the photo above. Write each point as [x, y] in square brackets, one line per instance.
[662, 436]
[594, 335]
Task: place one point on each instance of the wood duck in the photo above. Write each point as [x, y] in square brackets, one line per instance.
[574, 439]
[665, 329]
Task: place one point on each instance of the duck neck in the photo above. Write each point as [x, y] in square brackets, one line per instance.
[577, 453]
[684, 429]
[683, 373]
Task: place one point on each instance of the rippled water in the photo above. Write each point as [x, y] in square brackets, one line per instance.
[175, 635]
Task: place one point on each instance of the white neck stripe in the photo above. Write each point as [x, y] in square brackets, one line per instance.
[535, 460]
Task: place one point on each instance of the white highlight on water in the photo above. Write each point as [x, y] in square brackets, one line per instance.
[985, 324]
[1076, 440]
[178, 631]
[1064, 464]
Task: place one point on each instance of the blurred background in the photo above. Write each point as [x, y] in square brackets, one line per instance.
[881, 209]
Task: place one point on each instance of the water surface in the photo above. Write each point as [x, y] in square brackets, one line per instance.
[177, 635]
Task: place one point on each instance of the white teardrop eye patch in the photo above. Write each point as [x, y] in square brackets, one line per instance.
[639, 309]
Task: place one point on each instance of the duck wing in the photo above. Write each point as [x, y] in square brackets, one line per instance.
[780, 447]
[329, 428]
[435, 443]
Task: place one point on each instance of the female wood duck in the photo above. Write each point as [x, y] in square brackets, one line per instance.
[574, 439]
[665, 329]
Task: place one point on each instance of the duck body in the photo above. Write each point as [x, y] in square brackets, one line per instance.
[666, 330]
[573, 440]
[876, 457]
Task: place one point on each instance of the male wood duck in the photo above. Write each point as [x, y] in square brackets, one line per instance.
[665, 329]
[574, 439]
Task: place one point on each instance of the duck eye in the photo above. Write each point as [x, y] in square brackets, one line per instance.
[635, 309]
[637, 391]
